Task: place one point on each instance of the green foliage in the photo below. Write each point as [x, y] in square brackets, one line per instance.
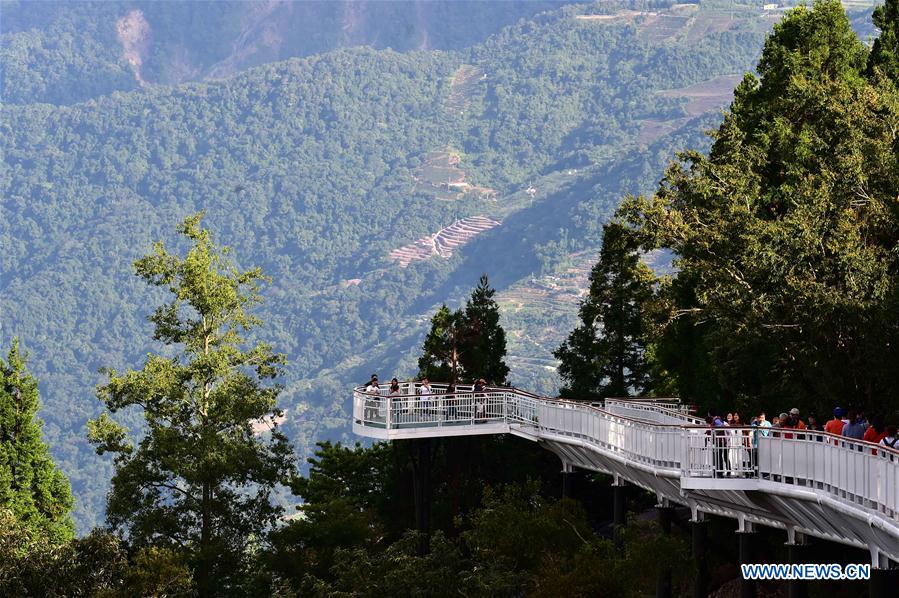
[483, 344]
[466, 344]
[885, 53]
[786, 232]
[515, 543]
[201, 478]
[439, 359]
[97, 565]
[605, 356]
[32, 488]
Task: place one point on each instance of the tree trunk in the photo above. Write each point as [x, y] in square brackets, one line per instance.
[204, 568]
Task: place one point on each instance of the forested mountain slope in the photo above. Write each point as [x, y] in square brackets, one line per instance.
[316, 169]
[66, 52]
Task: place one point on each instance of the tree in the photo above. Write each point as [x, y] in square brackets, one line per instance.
[468, 343]
[201, 478]
[440, 352]
[483, 346]
[32, 488]
[786, 231]
[885, 52]
[605, 355]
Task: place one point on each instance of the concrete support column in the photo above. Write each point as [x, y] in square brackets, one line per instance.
[569, 480]
[619, 509]
[797, 554]
[884, 576]
[699, 533]
[666, 516]
[748, 539]
[883, 583]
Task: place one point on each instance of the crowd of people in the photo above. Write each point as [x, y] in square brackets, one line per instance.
[429, 401]
[851, 424]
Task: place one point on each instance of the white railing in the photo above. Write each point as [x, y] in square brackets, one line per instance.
[655, 435]
[846, 469]
[661, 411]
[725, 452]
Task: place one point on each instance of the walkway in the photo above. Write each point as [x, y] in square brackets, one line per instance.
[816, 484]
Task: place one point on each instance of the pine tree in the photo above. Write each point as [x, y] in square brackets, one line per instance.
[31, 486]
[484, 340]
[885, 52]
[468, 343]
[787, 230]
[605, 355]
[201, 478]
[439, 359]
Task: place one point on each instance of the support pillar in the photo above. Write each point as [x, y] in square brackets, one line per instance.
[748, 540]
[666, 516]
[569, 480]
[883, 583]
[619, 509]
[884, 578]
[797, 554]
[421, 490]
[699, 532]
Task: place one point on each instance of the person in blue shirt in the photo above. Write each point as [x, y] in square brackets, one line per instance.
[855, 428]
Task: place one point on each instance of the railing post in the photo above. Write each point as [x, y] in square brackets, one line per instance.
[389, 417]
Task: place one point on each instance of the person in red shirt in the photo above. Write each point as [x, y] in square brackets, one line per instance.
[797, 423]
[835, 426]
[877, 431]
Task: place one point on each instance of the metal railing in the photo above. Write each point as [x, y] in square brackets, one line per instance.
[653, 434]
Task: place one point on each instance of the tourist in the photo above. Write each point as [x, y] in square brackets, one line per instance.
[393, 394]
[835, 425]
[876, 431]
[480, 397]
[786, 423]
[855, 428]
[373, 401]
[424, 396]
[794, 417]
[739, 442]
[450, 401]
[890, 438]
[813, 423]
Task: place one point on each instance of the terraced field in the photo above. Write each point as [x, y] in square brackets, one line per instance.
[707, 95]
[463, 86]
[444, 242]
[441, 177]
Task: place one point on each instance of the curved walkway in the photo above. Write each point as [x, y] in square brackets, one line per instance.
[814, 483]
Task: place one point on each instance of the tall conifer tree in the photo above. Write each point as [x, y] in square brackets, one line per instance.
[484, 341]
[201, 478]
[31, 486]
[787, 230]
[885, 52]
[605, 355]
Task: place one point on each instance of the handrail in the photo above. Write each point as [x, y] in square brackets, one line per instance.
[384, 394]
[686, 461]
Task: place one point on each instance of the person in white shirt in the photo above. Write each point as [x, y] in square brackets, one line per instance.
[374, 399]
[425, 393]
[892, 438]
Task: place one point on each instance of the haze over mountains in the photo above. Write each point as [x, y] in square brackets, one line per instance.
[494, 137]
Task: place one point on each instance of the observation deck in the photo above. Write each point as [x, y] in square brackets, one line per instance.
[814, 483]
